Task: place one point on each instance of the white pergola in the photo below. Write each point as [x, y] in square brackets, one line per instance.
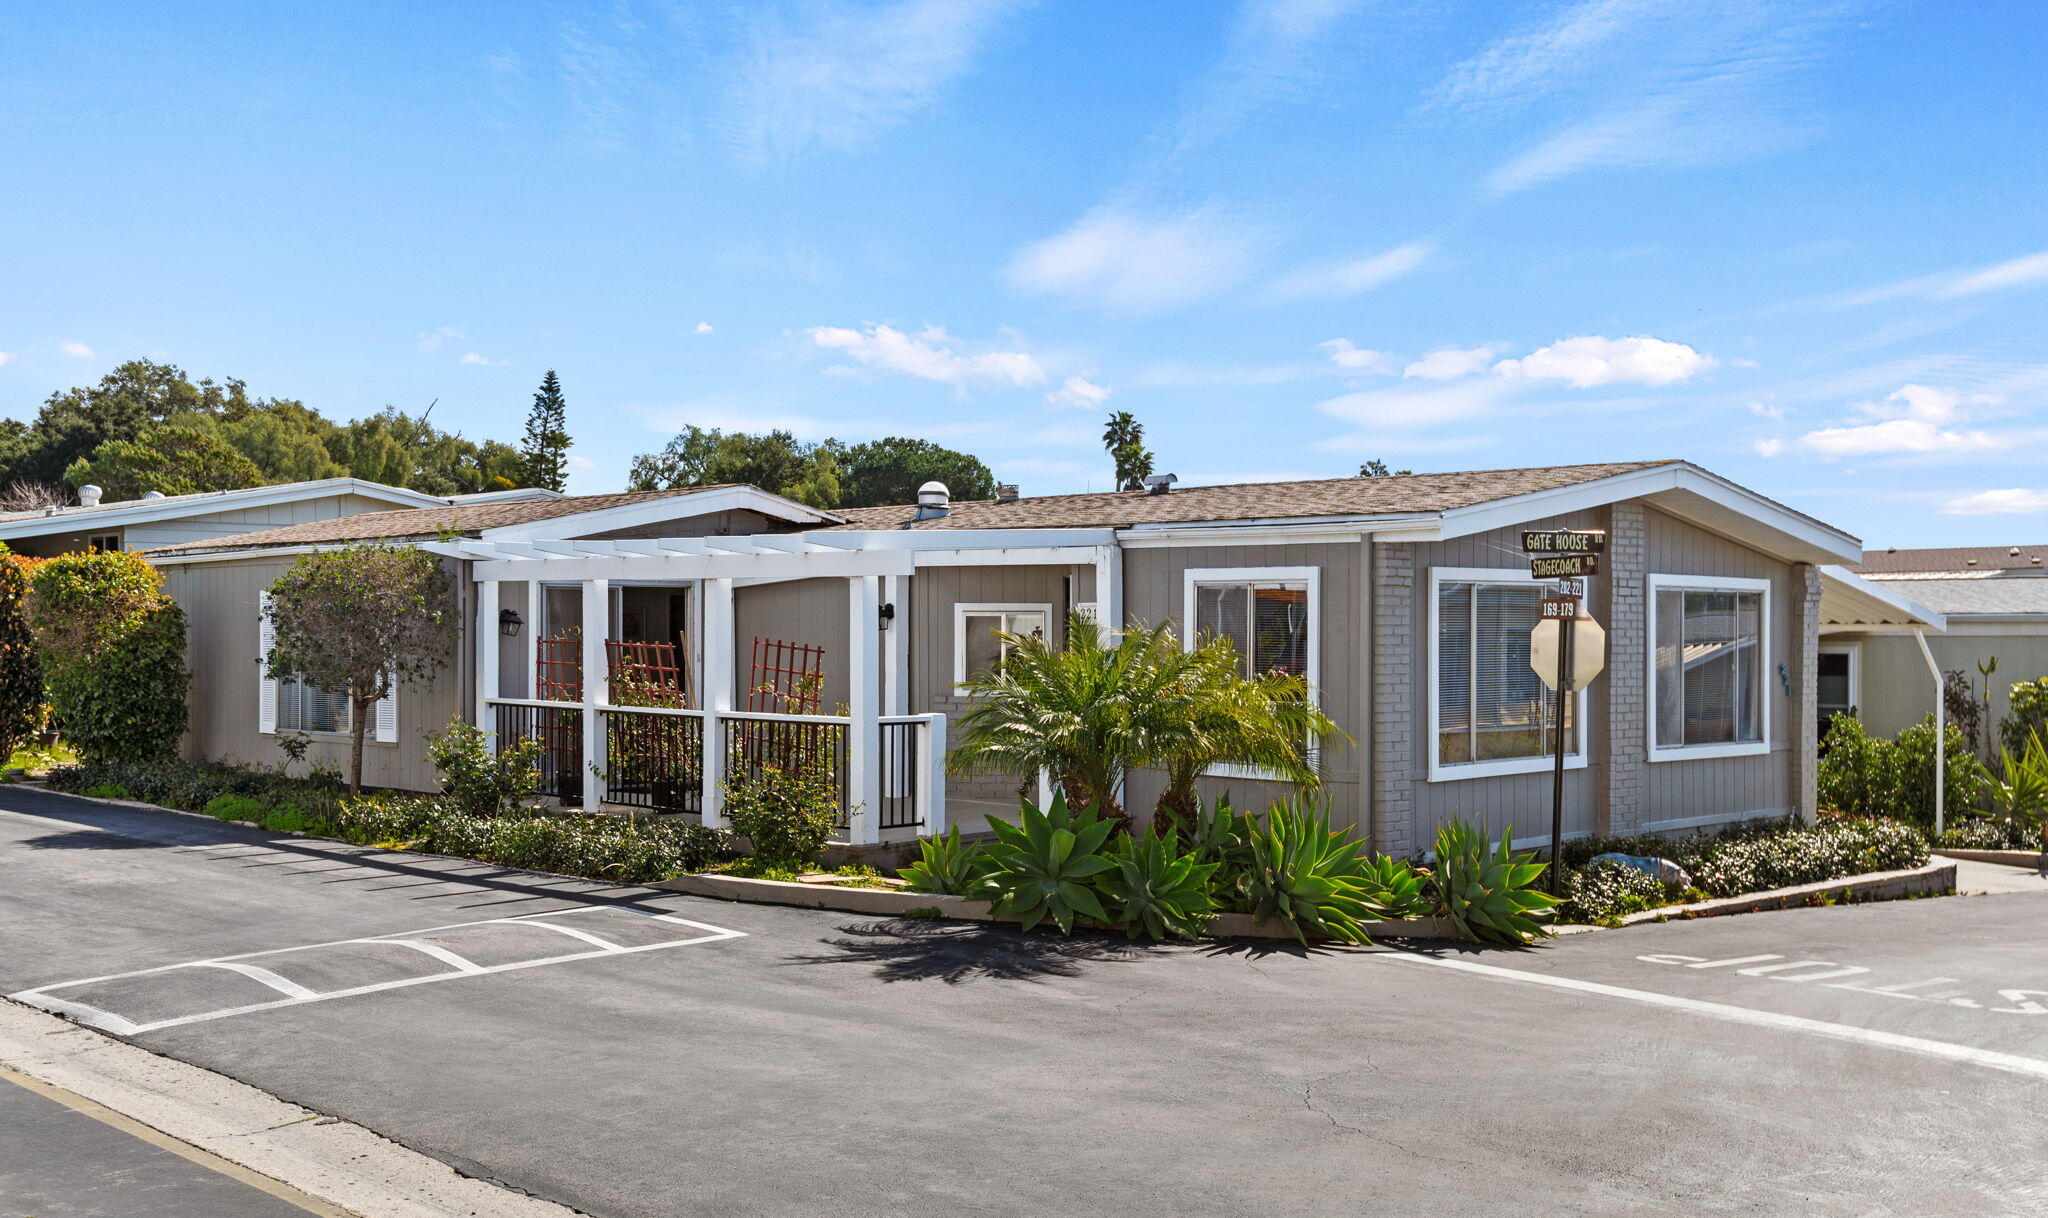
[876, 565]
[1849, 602]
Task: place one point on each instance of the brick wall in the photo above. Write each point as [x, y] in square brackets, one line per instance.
[1625, 766]
[1393, 699]
[1806, 693]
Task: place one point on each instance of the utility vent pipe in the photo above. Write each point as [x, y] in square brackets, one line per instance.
[1159, 484]
[89, 495]
[933, 501]
[1007, 493]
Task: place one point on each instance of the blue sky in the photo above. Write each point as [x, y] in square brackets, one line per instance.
[1800, 244]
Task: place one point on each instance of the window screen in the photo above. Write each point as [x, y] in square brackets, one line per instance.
[1709, 667]
[1490, 705]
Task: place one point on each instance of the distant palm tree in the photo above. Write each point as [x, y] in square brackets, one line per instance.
[1099, 706]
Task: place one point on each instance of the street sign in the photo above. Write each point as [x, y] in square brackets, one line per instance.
[1588, 652]
[1559, 566]
[1559, 606]
[1564, 541]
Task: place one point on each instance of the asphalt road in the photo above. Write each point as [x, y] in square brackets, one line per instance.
[1867, 1060]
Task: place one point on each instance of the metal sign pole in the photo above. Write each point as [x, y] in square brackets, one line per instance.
[1564, 680]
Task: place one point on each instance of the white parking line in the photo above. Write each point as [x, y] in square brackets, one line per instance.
[296, 994]
[2010, 1063]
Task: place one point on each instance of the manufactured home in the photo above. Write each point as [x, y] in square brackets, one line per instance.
[641, 635]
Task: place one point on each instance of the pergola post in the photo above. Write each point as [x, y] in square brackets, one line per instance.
[486, 657]
[716, 697]
[597, 619]
[1940, 732]
[535, 609]
[863, 708]
[896, 644]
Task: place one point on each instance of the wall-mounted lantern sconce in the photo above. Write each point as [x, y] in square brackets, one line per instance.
[1785, 679]
[509, 623]
[887, 613]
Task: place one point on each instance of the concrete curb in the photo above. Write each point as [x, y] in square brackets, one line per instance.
[2004, 858]
[320, 1155]
[1933, 879]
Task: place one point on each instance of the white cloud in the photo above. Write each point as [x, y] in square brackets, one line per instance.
[433, 340]
[2010, 502]
[1350, 277]
[2029, 271]
[835, 75]
[581, 464]
[472, 357]
[1079, 393]
[5, 356]
[1418, 406]
[75, 350]
[1120, 260]
[1913, 420]
[930, 355]
[1594, 360]
[1450, 363]
[1177, 374]
[1770, 448]
[1278, 52]
[703, 327]
[1353, 358]
[1767, 410]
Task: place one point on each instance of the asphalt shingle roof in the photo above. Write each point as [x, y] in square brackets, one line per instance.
[425, 522]
[1978, 595]
[1954, 558]
[1248, 500]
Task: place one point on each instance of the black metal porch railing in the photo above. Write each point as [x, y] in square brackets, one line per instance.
[900, 756]
[758, 746]
[560, 733]
[654, 761]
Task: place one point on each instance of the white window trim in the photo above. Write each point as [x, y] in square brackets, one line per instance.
[93, 540]
[1310, 576]
[1764, 672]
[1855, 653]
[1440, 771]
[960, 611]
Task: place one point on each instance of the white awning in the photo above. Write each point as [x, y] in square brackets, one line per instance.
[1849, 602]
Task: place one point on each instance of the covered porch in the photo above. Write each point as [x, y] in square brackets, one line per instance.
[623, 659]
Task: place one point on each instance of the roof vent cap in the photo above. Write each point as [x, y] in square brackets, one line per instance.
[1007, 492]
[152, 494]
[933, 501]
[1969, 562]
[89, 495]
[2013, 553]
[1159, 484]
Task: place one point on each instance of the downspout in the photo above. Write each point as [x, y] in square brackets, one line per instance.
[1940, 734]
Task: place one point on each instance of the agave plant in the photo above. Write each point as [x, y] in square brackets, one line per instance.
[1486, 893]
[1398, 887]
[1155, 890]
[948, 866]
[1045, 865]
[1311, 878]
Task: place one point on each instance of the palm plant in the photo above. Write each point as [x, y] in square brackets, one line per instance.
[1225, 718]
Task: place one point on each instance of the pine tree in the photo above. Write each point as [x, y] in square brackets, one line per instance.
[544, 457]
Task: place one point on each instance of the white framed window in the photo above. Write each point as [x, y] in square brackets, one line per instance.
[289, 704]
[308, 708]
[1272, 615]
[978, 646]
[1839, 689]
[1489, 713]
[105, 543]
[1710, 660]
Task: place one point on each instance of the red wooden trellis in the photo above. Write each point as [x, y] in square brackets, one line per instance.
[788, 678]
[558, 669]
[648, 674]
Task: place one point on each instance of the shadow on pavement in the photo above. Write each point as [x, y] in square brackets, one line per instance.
[905, 949]
[81, 839]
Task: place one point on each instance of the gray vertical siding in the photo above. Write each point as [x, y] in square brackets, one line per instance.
[220, 601]
[795, 611]
[1154, 591]
[1896, 691]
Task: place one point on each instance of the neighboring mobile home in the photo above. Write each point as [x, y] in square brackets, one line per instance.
[1406, 603]
[154, 520]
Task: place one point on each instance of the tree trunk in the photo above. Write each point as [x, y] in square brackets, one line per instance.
[359, 712]
[1177, 806]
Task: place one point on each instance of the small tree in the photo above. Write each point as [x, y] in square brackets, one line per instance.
[21, 673]
[113, 653]
[545, 454]
[360, 621]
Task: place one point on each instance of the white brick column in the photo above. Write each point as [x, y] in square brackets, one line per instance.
[1395, 710]
[1625, 696]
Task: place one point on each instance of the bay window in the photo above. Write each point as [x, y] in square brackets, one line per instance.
[1489, 711]
[1709, 657]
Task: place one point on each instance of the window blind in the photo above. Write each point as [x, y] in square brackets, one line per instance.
[1491, 705]
[1709, 667]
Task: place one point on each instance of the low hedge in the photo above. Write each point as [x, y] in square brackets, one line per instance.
[190, 786]
[1993, 833]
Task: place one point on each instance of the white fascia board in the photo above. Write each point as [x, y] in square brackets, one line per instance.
[962, 539]
[1237, 535]
[680, 568]
[666, 508]
[147, 511]
[1016, 556]
[180, 560]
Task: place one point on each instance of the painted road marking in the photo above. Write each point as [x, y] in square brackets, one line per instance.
[2022, 1000]
[294, 994]
[2010, 1063]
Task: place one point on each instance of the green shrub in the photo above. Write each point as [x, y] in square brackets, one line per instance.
[1487, 894]
[482, 782]
[1154, 890]
[289, 819]
[1602, 892]
[21, 671]
[235, 807]
[1865, 775]
[112, 647]
[1046, 865]
[1223, 836]
[609, 848]
[1837, 847]
[788, 815]
[1310, 878]
[948, 866]
[1992, 833]
[2026, 715]
[107, 790]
